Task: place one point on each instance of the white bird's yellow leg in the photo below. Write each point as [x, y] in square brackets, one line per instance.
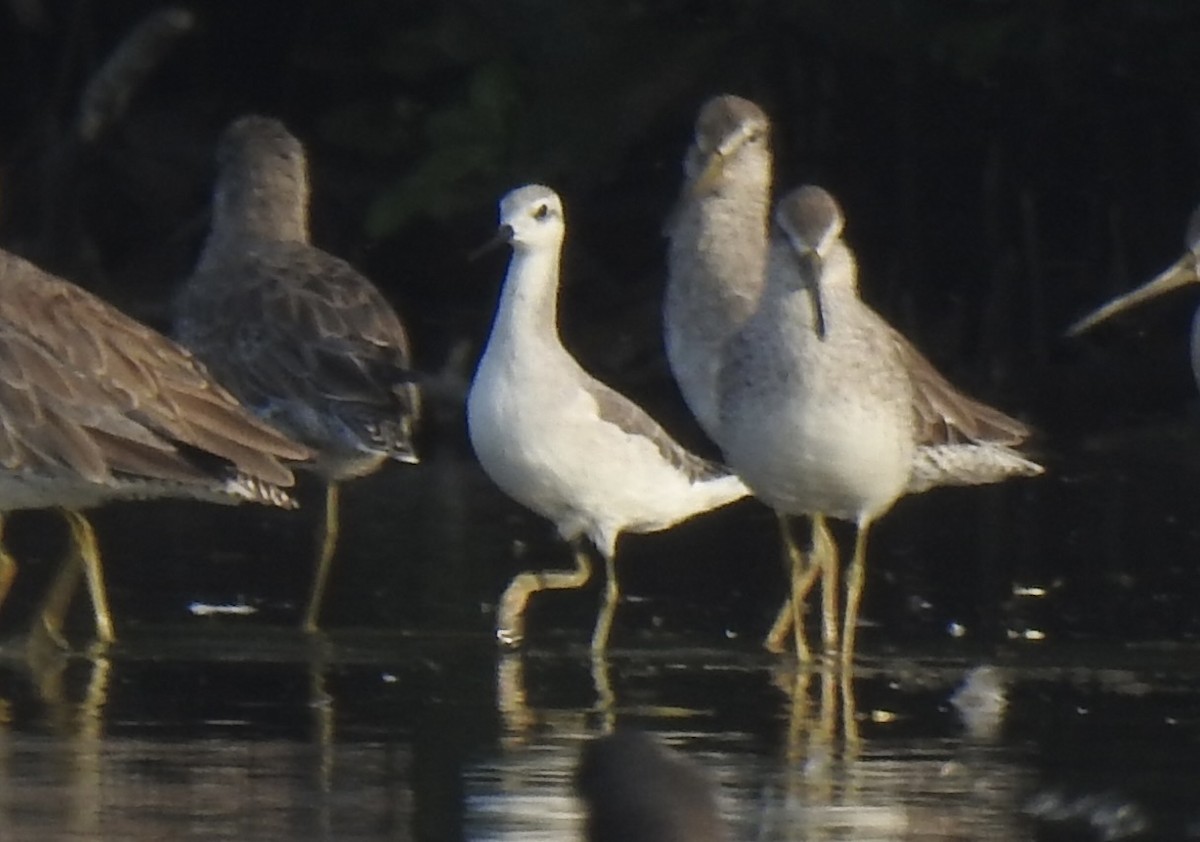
[510, 612]
[326, 547]
[608, 608]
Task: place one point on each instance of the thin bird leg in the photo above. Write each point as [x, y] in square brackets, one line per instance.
[510, 612]
[89, 551]
[826, 558]
[802, 567]
[854, 591]
[328, 539]
[53, 611]
[8, 566]
[612, 595]
[85, 552]
[803, 579]
[789, 613]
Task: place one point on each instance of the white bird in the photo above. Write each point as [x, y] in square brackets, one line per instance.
[827, 409]
[297, 334]
[561, 442]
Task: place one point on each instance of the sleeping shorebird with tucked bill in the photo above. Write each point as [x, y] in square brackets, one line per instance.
[558, 440]
[825, 409]
[298, 335]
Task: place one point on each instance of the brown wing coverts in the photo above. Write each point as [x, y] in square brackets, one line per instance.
[288, 321]
[85, 388]
[947, 416]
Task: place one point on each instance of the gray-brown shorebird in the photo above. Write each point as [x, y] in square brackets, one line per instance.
[299, 335]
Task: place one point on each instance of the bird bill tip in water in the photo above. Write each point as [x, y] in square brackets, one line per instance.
[502, 237]
[1179, 274]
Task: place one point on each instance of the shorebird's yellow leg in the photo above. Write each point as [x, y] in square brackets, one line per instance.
[53, 611]
[854, 591]
[790, 614]
[85, 553]
[825, 557]
[89, 551]
[608, 608]
[326, 547]
[8, 566]
[510, 612]
[804, 574]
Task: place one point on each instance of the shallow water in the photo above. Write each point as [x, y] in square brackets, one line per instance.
[191, 734]
[237, 726]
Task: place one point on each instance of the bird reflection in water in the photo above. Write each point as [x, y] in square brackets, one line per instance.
[520, 719]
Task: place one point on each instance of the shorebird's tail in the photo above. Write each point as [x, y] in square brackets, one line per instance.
[967, 464]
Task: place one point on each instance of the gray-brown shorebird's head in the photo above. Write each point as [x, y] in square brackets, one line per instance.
[1184, 271]
[811, 221]
[262, 180]
[730, 131]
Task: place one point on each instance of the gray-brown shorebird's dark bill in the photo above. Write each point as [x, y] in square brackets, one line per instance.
[1179, 274]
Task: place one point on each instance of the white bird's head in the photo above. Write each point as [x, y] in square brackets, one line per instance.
[532, 217]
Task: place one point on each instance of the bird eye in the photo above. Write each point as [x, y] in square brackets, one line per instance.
[542, 212]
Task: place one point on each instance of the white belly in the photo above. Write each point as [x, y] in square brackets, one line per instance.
[849, 464]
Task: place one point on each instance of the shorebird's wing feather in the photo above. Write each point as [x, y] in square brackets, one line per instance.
[618, 410]
[945, 415]
[87, 389]
[290, 323]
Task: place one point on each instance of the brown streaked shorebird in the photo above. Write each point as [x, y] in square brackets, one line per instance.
[559, 441]
[716, 257]
[1184, 271]
[297, 334]
[827, 409]
[638, 790]
[96, 407]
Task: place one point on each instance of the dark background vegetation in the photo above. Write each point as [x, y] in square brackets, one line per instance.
[1005, 165]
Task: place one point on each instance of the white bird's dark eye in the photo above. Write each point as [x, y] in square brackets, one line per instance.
[542, 212]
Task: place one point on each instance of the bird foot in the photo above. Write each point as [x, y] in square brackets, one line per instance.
[509, 638]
